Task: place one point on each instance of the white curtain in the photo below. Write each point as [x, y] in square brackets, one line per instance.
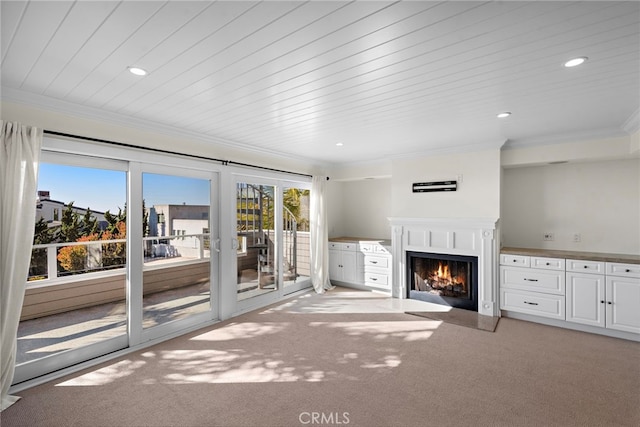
[319, 235]
[19, 155]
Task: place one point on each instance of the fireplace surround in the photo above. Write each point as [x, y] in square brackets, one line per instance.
[467, 237]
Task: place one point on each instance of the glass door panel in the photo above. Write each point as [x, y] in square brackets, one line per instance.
[296, 244]
[256, 233]
[177, 248]
[74, 306]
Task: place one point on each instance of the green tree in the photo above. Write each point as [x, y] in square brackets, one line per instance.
[42, 235]
[70, 229]
[293, 199]
[145, 220]
[114, 254]
[89, 224]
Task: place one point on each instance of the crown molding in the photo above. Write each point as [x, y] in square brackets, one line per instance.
[456, 149]
[565, 138]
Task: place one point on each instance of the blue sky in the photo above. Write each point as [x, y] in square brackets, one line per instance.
[103, 190]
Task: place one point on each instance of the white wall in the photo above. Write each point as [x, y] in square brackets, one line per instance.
[335, 208]
[478, 194]
[366, 208]
[366, 205]
[599, 200]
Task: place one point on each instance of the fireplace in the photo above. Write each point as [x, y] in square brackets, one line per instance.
[466, 237]
[443, 279]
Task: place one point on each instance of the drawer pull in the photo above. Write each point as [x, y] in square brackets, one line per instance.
[548, 263]
[373, 262]
[531, 280]
[601, 301]
[515, 260]
[531, 303]
[586, 266]
[628, 270]
[374, 279]
[609, 302]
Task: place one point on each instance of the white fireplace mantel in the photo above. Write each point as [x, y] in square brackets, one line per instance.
[456, 236]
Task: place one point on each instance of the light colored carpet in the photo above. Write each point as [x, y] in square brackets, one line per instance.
[351, 358]
[458, 316]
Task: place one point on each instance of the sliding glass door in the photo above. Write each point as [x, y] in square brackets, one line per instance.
[124, 252]
[272, 233]
[74, 307]
[177, 247]
[128, 245]
[257, 271]
[296, 242]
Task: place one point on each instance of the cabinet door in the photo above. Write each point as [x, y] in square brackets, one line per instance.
[349, 267]
[623, 304]
[335, 265]
[585, 299]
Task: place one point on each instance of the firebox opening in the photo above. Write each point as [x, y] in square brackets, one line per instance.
[443, 279]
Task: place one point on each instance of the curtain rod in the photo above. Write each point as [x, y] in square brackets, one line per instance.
[158, 150]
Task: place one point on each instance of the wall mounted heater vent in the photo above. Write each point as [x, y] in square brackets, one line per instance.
[428, 187]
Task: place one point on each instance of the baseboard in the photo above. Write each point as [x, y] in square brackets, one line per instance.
[573, 326]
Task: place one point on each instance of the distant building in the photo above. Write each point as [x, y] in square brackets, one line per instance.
[51, 211]
[162, 219]
[188, 223]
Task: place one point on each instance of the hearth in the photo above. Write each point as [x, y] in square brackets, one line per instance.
[445, 279]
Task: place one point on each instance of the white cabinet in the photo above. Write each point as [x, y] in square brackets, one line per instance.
[585, 298]
[622, 293]
[585, 292]
[343, 262]
[607, 301]
[603, 296]
[377, 266]
[536, 285]
[366, 264]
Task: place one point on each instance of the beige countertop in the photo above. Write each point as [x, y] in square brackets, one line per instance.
[383, 242]
[593, 256]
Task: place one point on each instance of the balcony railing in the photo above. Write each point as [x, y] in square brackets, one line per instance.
[170, 262]
[99, 255]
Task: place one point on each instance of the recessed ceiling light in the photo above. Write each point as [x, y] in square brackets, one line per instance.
[503, 115]
[575, 62]
[138, 71]
[339, 144]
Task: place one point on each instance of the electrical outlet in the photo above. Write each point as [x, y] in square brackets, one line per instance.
[577, 238]
[548, 237]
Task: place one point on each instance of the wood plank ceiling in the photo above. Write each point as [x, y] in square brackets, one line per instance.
[384, 79]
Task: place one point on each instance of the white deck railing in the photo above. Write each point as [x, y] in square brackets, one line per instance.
[182, 248]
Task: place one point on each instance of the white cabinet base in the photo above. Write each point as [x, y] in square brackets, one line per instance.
[600, 295]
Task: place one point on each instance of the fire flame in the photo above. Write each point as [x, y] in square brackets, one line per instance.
[443, 273]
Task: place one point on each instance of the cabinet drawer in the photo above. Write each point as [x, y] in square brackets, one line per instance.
[548, 263]
[622, 270]
[531, 303]
[515, 260]
[376, 261]
[382, 249]
[531, 279]
[367, 248]
[351, 247]
[585, 266]
[375, 279]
